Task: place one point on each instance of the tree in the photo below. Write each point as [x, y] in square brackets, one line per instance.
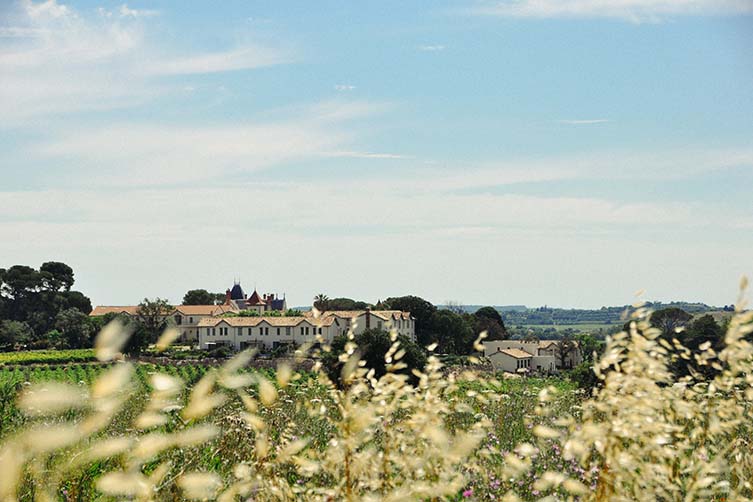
[75, 327]
[420, 309]
[372, 346]
[451, 332]
[14, 334]
[344, 304]
[489, 320]
[152, 315]
[588, 345]
[669, 320]
[321, 302]
[565, 347]
[489, 313]
[37, 296]
[57, 276]
[201, 297]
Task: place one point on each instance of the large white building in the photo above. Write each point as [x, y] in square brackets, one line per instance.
[270, 332]
[211, 325]
[266, 332]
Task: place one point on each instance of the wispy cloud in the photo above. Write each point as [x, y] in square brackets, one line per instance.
[365, 155]
[630, 10]
[245, 58]
[431, 48]
[583, 121]
[55, 60]
[344, 87]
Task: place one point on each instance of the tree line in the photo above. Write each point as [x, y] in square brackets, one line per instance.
[38, 308]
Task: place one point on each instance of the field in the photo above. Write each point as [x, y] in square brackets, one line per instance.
[47, 356]
[510, 417]
[137, 431]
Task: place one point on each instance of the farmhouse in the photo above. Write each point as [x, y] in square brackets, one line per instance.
[512, 355]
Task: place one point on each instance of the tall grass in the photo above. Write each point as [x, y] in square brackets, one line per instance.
[239, 435]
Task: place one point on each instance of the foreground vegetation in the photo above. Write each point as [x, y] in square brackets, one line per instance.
[160, 433]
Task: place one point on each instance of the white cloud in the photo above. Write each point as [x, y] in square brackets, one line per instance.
[431, 48]
[630, 10]
[583, 121]
[344, 87]
[125, 11]
[246, 58]
[54, 60]
[131, 154]
[364, 155]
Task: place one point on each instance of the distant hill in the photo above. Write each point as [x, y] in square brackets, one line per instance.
[605, 315]
[500, 308]
[520, 315]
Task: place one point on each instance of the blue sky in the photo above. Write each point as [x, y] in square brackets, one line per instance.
[538, 152]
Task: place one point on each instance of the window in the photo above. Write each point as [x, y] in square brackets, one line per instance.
[307, 331]
[266, 331]
[301, 329]
[379, 325]
[320, 331]
[212, 331]
[190, 320]
[239, 331]
[287, 331]
[178, 320]
[278, 331]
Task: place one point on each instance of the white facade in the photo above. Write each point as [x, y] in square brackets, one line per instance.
[544, 354]
[265, 332]
[386, 320]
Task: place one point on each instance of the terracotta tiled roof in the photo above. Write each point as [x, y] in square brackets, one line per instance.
[107, 309]
[204, 309]
[385, 315]
[270, 320]
[516, 353]
[254, 299]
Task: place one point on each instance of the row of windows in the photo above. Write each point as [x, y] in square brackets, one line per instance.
[263, 331]
[524, 363]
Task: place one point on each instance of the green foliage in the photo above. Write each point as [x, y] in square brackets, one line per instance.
[75, 328]
[421, 310]
[322, 302]
[47, 356]
[489, 320]
[588, 346]
[583, 375]
[35, 297]
[203, 297]
[451, 332]
[373, 345]
[14, 334]
[669, 320]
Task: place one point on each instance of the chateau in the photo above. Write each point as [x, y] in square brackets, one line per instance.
[244, 321]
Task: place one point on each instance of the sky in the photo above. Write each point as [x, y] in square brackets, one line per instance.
[567, 153]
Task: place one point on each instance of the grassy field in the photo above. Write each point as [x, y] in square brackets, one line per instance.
[511, 423]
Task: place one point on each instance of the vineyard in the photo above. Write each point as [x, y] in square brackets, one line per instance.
[47, 357]
[288, 418]
[138, 431]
